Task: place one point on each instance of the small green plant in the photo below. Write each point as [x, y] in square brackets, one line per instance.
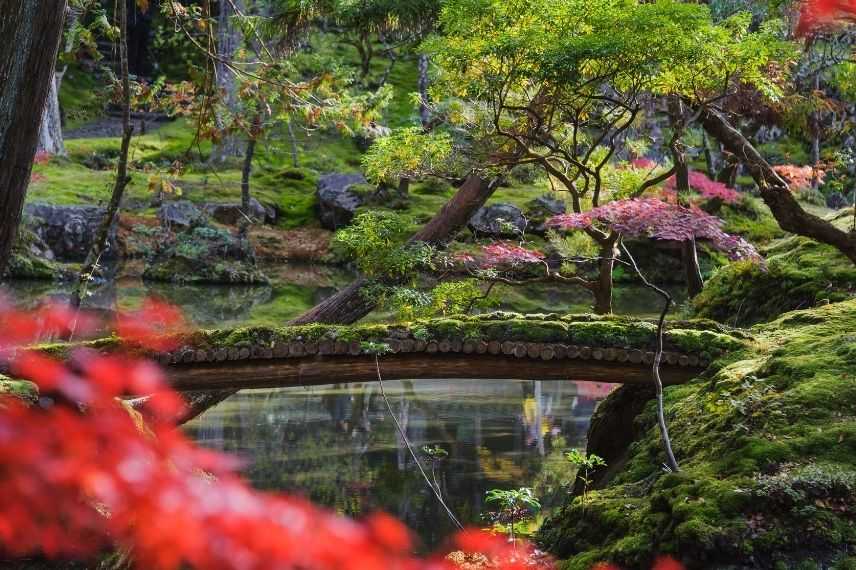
[515, 507]
[585, 463]
[378, 242]
[376, 348]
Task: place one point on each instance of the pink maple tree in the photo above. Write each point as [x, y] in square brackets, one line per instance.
[653, 218]
[816, 15]
[799, 177]
[707, 188]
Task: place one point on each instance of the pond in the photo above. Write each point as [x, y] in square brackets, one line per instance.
[338, 446]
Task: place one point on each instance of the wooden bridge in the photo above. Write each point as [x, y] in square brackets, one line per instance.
[499, 345]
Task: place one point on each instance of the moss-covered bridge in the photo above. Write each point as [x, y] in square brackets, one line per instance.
[497, 345]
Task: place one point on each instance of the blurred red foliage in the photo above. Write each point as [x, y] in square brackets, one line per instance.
[81, 472]
[817, 15]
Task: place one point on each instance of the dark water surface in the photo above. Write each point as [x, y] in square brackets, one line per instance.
[337, 444]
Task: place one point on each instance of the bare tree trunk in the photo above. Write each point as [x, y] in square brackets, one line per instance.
[774, 190]
[424, 109]
[246, 171]
[692, 270]
[229, 40]
[603, 286]
[50, 131]
[99, 246]
[815, 137]
[709, 160]
[31, 32]
[351, 304]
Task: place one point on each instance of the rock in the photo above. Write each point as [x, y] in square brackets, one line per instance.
[498, 220]
[837, 200]
[181, 214]
[204, 255]
[231, 215]
[67, 231]
[539, 210]
[336, 202]
[367, 135]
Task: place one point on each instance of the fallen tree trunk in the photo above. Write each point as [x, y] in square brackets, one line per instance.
[774, 190]
[31, 32]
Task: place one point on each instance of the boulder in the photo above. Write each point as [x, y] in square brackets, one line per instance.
[498, 220]
[204, 255]
[541, 209]
[337, 204]
[369, 134]
[231, 214]
[67, 231]
[837, 200]
[181, 214]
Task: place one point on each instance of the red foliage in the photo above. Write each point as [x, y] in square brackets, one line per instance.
[709, 189]
[650, 217]
[799, 177]
[509, 254]
[79, 474]
[41, 157]
[816, 15]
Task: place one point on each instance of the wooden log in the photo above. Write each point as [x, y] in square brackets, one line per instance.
[622, 355]
[200, 356]
[340, 347]
[355, 348]
[408, 345]
[494, 347]
[420, 346]
[311, 348]
[508, 348]
[234, 353]
[670, 358]
[561, 351]
[533, 350]
[326, 347]
[597, 353]
[266, 353]
[693, 360]
[573, 351]
[609, 354]
[444, 345]
[520, 349]
[457, 345]
[243, 353]
[648, 358]
[548, 352]
[684, 360]
[394, 345]
[296, 349]
[469, 347]
[482, 347]
[585, 352]
[188, 355]
[635, 356]
[432, 347]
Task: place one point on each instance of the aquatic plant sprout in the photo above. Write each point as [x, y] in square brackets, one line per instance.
[83, 473]
[656, 219]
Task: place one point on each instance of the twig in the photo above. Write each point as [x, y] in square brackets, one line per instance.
[658, 382]
[410, 449]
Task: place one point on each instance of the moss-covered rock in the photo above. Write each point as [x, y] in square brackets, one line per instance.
[767, 447]
[800, 273]
[22, 389]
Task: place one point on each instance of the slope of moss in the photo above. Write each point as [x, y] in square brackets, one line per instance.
[800, 273]
[767, 447]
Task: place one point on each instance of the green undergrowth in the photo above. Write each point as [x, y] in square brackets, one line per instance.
[767, 447]
[799, 273]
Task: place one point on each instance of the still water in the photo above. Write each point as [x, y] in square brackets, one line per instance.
[338, 446]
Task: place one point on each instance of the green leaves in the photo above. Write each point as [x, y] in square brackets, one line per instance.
[408, 153]
[378, 243]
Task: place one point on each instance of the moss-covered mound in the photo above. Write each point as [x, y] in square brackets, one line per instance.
[18, 388]
[767, 447]
[800, 273]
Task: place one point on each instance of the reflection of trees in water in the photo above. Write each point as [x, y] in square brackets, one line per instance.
[208, 305]
[338, 446]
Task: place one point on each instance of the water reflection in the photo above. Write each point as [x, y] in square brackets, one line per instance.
[337, 444]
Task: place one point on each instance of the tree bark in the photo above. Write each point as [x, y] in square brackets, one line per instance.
[603, 285]
[350, 304]
[31, 32]
[228, 40]
[99, 246]
[692, 270]
[424, 110]
[774, 190]
[50, 131]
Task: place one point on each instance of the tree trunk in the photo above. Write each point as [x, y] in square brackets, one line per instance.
[246, 171]
[709, 161]
[351, 304]
[603, 286]
[424, 109]
[229, 40]
[692, 270]
[815, 136]
[99, 246]
[31, 32]
[50, 131]
[774, 190]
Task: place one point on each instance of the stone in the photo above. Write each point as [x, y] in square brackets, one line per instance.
[369, 134]
[68, 231]
[337, 204]
[542, 208]
[181, 214]
[498, 220]
[231, 214]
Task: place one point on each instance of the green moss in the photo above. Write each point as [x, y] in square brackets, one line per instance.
[766, 446]
[799, 273]
[22, 389]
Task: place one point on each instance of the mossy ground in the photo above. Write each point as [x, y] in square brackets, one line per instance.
[767, 447]
[799, 273]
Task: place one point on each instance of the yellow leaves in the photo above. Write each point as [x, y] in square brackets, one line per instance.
[160, 185]
[143, 5]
